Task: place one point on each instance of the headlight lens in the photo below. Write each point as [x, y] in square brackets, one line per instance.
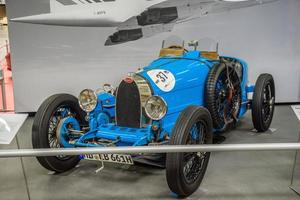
[87, 100]
[156, 107]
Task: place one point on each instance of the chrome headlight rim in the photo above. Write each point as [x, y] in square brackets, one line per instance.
[162, 115]
[93, 103]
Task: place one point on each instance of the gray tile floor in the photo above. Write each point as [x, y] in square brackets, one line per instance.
[230, 176]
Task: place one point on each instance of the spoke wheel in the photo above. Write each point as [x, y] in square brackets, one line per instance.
[223, 95]
[60, 113]
[45, 125]
[263, 104]
[194, 162]
[185, 171]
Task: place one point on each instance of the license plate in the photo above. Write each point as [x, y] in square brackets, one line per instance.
[113, 158]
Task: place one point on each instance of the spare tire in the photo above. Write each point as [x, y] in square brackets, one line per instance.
[223, 95]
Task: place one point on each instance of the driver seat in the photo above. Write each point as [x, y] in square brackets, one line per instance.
[213, 55]
[172, 51]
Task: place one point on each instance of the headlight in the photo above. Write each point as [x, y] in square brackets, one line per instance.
[155, 107]
[87, 100]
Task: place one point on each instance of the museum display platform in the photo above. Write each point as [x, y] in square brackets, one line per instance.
[230, 175]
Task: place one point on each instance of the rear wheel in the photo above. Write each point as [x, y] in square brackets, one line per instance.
[223, 95]
[44, 131]
[263, 102]
[185, 171]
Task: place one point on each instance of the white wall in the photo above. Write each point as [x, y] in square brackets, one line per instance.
[50, 59]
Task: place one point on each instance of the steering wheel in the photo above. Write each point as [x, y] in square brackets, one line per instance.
[177, 47]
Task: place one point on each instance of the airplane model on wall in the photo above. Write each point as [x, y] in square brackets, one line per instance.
[134, 19]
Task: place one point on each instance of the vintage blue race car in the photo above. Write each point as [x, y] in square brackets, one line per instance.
[182, 98]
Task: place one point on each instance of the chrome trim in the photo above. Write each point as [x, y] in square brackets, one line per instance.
[95, 96]
[164, 103]
[145, 92]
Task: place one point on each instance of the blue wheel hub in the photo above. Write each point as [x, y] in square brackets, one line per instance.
[194, 132]
[63, 131]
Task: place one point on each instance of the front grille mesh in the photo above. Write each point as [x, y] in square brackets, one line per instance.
[128, 106]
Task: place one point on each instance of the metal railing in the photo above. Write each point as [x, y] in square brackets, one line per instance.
[150, 149]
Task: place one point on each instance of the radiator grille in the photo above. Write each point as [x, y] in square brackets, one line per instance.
[128, 107]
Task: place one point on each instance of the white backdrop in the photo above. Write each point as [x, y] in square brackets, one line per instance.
[51, 59]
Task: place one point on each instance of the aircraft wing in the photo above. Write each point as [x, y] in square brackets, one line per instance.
[163, 16]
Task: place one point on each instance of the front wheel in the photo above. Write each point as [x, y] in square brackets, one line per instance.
[263, 102]
[48, 118]
[185, 171]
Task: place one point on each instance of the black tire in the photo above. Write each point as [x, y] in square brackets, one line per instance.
[214, 99]
[40, 130]
[175, 163]
[263, 103]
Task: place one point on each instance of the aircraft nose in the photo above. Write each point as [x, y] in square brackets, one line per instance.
[22, 19]
[37, 19]
[66, 19]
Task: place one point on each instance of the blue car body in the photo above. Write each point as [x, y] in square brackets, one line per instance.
[190, 71]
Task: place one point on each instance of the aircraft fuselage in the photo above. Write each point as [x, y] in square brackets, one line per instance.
[95, 14]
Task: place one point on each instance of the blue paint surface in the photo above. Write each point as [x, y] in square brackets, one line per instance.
[190, 71]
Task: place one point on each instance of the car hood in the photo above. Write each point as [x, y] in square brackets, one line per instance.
[170, 74]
